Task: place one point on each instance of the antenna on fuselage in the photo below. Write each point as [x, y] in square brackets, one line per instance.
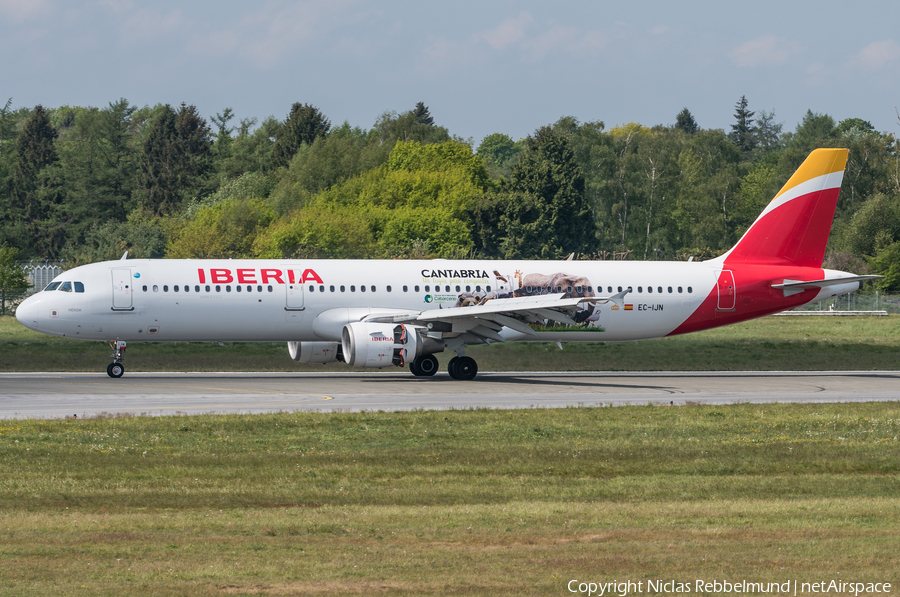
[125, 256]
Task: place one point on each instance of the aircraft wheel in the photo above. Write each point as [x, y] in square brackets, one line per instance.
[427, 364]
[466, 368]
[451, 368]
[414, 368]
[115, 370]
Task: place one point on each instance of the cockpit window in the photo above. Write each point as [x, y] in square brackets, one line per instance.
[66, 287]
[52, 286]
[79, 287]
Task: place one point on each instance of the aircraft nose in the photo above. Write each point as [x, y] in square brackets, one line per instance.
[27, 313]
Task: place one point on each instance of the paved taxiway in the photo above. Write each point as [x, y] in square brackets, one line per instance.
[53, 395]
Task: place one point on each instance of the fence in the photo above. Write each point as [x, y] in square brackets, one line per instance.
[873, 300]
[40, 273]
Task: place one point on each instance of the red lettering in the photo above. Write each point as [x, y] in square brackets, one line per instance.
[291, 276]
[220, 276]
[246, 276]
[274, 274]
[311, 276]
[202, 275]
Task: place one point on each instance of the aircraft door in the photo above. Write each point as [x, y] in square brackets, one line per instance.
[294, 289]
[726, 291]
[123, 290]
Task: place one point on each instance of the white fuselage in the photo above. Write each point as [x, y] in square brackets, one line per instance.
[283, 300]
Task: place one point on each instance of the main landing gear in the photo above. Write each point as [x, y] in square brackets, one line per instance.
[463, 368]
[116, 369]
[424, 366]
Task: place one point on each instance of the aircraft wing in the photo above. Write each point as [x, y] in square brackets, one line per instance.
[487, 319]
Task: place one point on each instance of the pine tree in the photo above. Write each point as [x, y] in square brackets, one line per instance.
[423, 116]
[685, 121]
[176, 159]
[303, 125]
[742, 130]
[36, 188]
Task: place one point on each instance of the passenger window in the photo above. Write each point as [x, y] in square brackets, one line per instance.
[388, 288]
[620, 289]
[417, 288]
[165, 288]
[269, 288]
[331, 288]
[578, 289]
[446, 288]
[175, 288]
[66, 287]
[649, 289]
[679, 290]
[568, 289]
[528, 289]
[55, 285]
[155, 288]
[590, 289]
[487, 288]
[690, 290]
[457, 288]
[468, 289]
[145, 288]
[238, 288]
[640, 289]
[670, 290]
[187, 288]
[343, 288]
[362, 288]
[405, 288]
[372, 288]
[228, 288]
[218, 288]
[477, 288]
[321, 289]
[352, 288]
[659, 289]
[609, 289]
[79, 287]
[427, 288]
[312, 288]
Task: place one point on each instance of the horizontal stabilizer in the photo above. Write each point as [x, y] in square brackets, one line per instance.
[794, 286]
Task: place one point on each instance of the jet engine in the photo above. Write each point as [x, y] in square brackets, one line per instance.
[367, 344]
[315, 352]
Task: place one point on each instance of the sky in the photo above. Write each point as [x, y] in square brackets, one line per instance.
[481, 67]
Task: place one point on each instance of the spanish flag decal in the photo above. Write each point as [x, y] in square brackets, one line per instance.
[629, 307]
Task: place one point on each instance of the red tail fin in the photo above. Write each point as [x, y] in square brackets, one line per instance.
[794, 227]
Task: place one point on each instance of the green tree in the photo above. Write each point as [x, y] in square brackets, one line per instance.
[175, 160]
[685, 121]
[767, 132]
[392, 127]
[499, 152]
[222, 231]
[742, 129]
[420, 197]
[423, 116]
[36, 194]
[13, 280]
[541, 212]
[303, 126]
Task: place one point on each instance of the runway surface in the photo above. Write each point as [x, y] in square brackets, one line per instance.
[55, 395]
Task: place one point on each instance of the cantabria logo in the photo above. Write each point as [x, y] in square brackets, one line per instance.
[428, 298]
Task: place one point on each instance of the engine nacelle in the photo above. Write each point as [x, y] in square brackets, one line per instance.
[384, 344]
[315, 352]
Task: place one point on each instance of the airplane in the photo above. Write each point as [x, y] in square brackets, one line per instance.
[383, 313]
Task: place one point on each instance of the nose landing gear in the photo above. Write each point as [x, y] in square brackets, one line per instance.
[116, 369]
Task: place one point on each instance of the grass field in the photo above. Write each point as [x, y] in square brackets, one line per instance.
[771, 343]
[473, 502]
